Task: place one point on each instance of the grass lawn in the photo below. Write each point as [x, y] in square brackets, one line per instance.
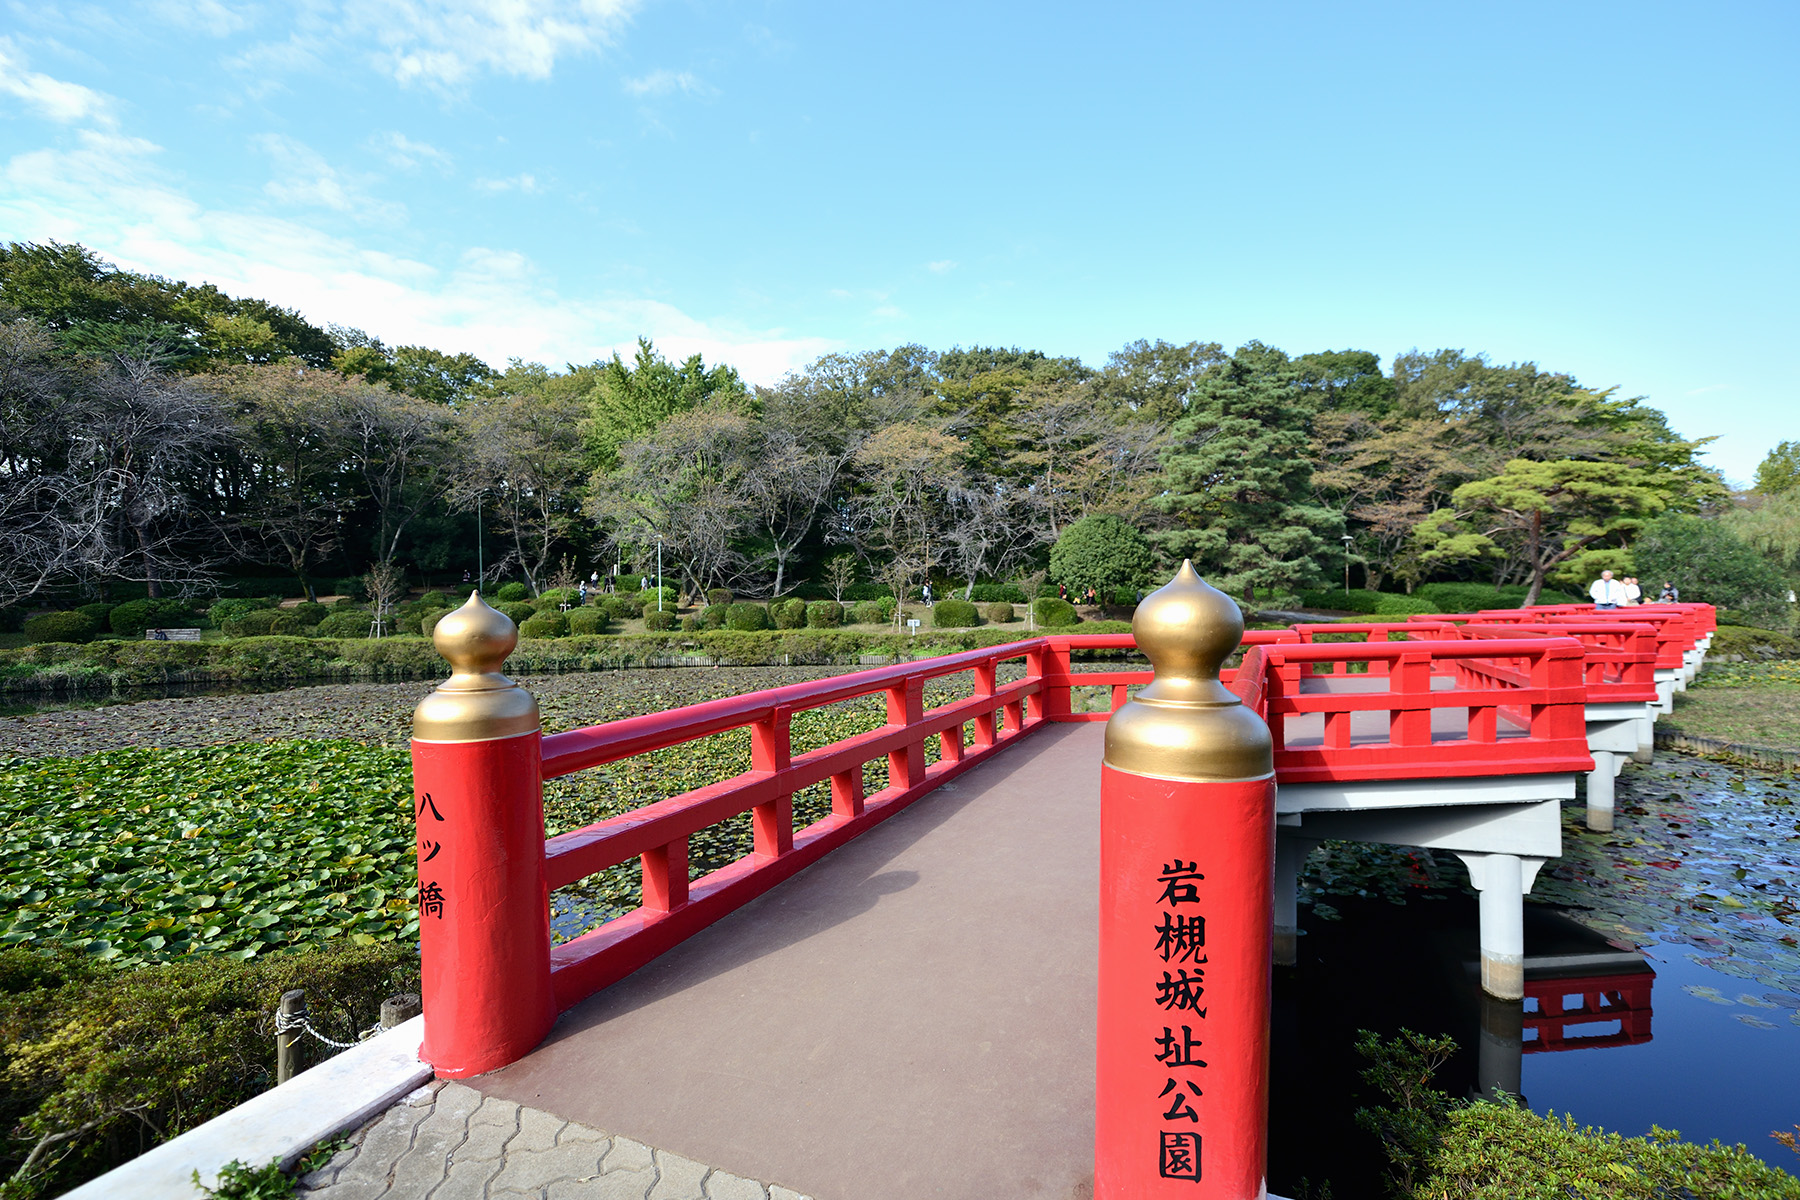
[1757, 704]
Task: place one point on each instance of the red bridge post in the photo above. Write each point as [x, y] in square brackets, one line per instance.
[484, 925]
[1187, 846]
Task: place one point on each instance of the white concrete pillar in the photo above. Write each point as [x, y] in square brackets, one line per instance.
[1600, 791]
[1290, 858]
[1646, 737]
[1502, 881]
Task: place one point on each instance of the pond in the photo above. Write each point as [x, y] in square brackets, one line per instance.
[1676, 934]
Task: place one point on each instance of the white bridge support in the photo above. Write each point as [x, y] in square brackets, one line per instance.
[1615, 732]
[1290, 857]
[1502, 827]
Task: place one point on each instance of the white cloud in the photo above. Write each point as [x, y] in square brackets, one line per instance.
[942, 266]
[887, 312]
[1710, 388]
[60, 101]
[303, 177]
[211, 17]
[107, 192]
[662, 83]
[446, 42]
[398, 150]
[524, 184]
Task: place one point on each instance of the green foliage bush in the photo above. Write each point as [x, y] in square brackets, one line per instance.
[516, 611]
[1054, 612]
[344, 623]
[308, 613]
[1709, 563]
[661, 622]
[670, 597]
[435, 599]
[870, 612]
[428, 621]
[1101, 552]
[690, 624]
[788, 614]
[746, 618]
[990, 593]
[1000, 612]
[134, 616]
[351, 588]
[713, 616]
[544, 625]
[1753, 645]
[719, 596]
[100, 611]
[556, 598]
[621, 606]
[513, 592]
[586, 621]
[61, 627]
[163, 1048]
[263, 622]
[231, 608]
[824, 614]
[1473, 597]
[954, 614]
[1373, 604]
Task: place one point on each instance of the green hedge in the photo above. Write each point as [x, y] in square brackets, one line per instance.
[658, 622]
[746, 618]
[824, 614]
[788, 614]
[512, 593]
[345, 623]
[1472, 597]
[954, 614]
[1754, 645]
[586, 621]
[159, 1048]
[1372, 604]
[1053, 612]
[549, 624]
[74, 627]
[1000, 613]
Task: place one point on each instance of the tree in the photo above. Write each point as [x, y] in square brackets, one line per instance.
[786, 487]
[840, 575]
[1708, 563]
[1779, 470]
[522, 464]
[630, 402]
[1155, 380]
[1771, 525]
[1387, 474]
[397, 444]
[1238, 480]
[1551, 512]
[1103, 553]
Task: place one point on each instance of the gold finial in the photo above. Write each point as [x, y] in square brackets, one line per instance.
[1186, 724]
[477, 703]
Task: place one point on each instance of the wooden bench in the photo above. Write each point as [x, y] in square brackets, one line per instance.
[171, 635]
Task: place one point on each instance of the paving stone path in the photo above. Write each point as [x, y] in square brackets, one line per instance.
[449, 1142]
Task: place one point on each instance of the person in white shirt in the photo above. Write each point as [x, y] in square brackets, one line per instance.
[1607, 591]
[1633, 593]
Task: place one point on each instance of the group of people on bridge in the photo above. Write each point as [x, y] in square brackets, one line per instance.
[1608, 592]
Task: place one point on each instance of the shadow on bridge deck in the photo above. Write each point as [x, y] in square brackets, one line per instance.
[912, 1016]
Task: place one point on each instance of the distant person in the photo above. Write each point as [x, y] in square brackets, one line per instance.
[643, 583]
[1606, 591]
[926, 593]
[583, 591]
[1633, 593]
[465, 575]
[1669, 595]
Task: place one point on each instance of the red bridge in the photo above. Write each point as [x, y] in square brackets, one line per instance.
[914, 1015]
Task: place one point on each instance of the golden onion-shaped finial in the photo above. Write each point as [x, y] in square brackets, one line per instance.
[1186, 724]
[477, 703]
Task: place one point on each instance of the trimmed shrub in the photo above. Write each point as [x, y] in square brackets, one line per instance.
[987, 593]
[621, 607]
[435, 599]
[719, 596]
[556, 598]
[516, 611]
[713, 616]
[310, 613]
[345, 623]
[586, 621]
[100, 611]
[789, 613]
[954, 614]
[512, 593]
[746, 618]
[647, 598]
[133, 617]
[61, 627]
[690, 624]
[428, 622]
[1000, 613]
[351, 588]
[661, 622]
[824, 614]
[232, 608]
[1751, 644]
[1054, 612]
[869, 612]
[544, 625]
[258, 622]
[1390, 604]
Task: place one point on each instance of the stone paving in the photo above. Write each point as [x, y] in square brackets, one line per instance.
[449, 1142]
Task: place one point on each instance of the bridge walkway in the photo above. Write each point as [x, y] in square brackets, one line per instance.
[912, 1016]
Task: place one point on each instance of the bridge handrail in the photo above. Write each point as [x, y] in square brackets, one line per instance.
[1621, 655]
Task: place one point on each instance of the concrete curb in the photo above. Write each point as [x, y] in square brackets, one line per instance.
[285, 1122]
[1759, 756]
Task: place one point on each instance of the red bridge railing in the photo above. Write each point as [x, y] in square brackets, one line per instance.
[1555, 1024]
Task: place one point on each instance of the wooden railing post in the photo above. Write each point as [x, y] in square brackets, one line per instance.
[984, 720]
[484, 917]
[772, 750]
[1187, 849]
[906, 708]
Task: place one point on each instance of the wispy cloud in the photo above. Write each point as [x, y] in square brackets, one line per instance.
[56, 99]
[211, 17]
[302, 177]
[448, 41]
[942, 266]
[396, 149]
[524, 184]
[663, 83]
[1708, 389]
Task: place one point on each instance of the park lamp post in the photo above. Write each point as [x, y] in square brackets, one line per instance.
[1348, 541]
[659, 572]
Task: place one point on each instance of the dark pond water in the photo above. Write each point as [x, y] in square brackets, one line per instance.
[25, 706]
[1677, 932]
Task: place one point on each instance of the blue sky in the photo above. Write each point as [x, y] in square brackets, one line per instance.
[1605, 189]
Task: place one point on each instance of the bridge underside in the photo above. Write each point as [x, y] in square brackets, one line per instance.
[912, 1016]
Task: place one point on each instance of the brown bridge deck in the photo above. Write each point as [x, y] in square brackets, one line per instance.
[912, 1016]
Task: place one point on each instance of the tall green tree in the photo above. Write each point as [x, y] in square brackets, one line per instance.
[1779, 470]
[1238, 480]
[629, 401]
[1103, 553]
